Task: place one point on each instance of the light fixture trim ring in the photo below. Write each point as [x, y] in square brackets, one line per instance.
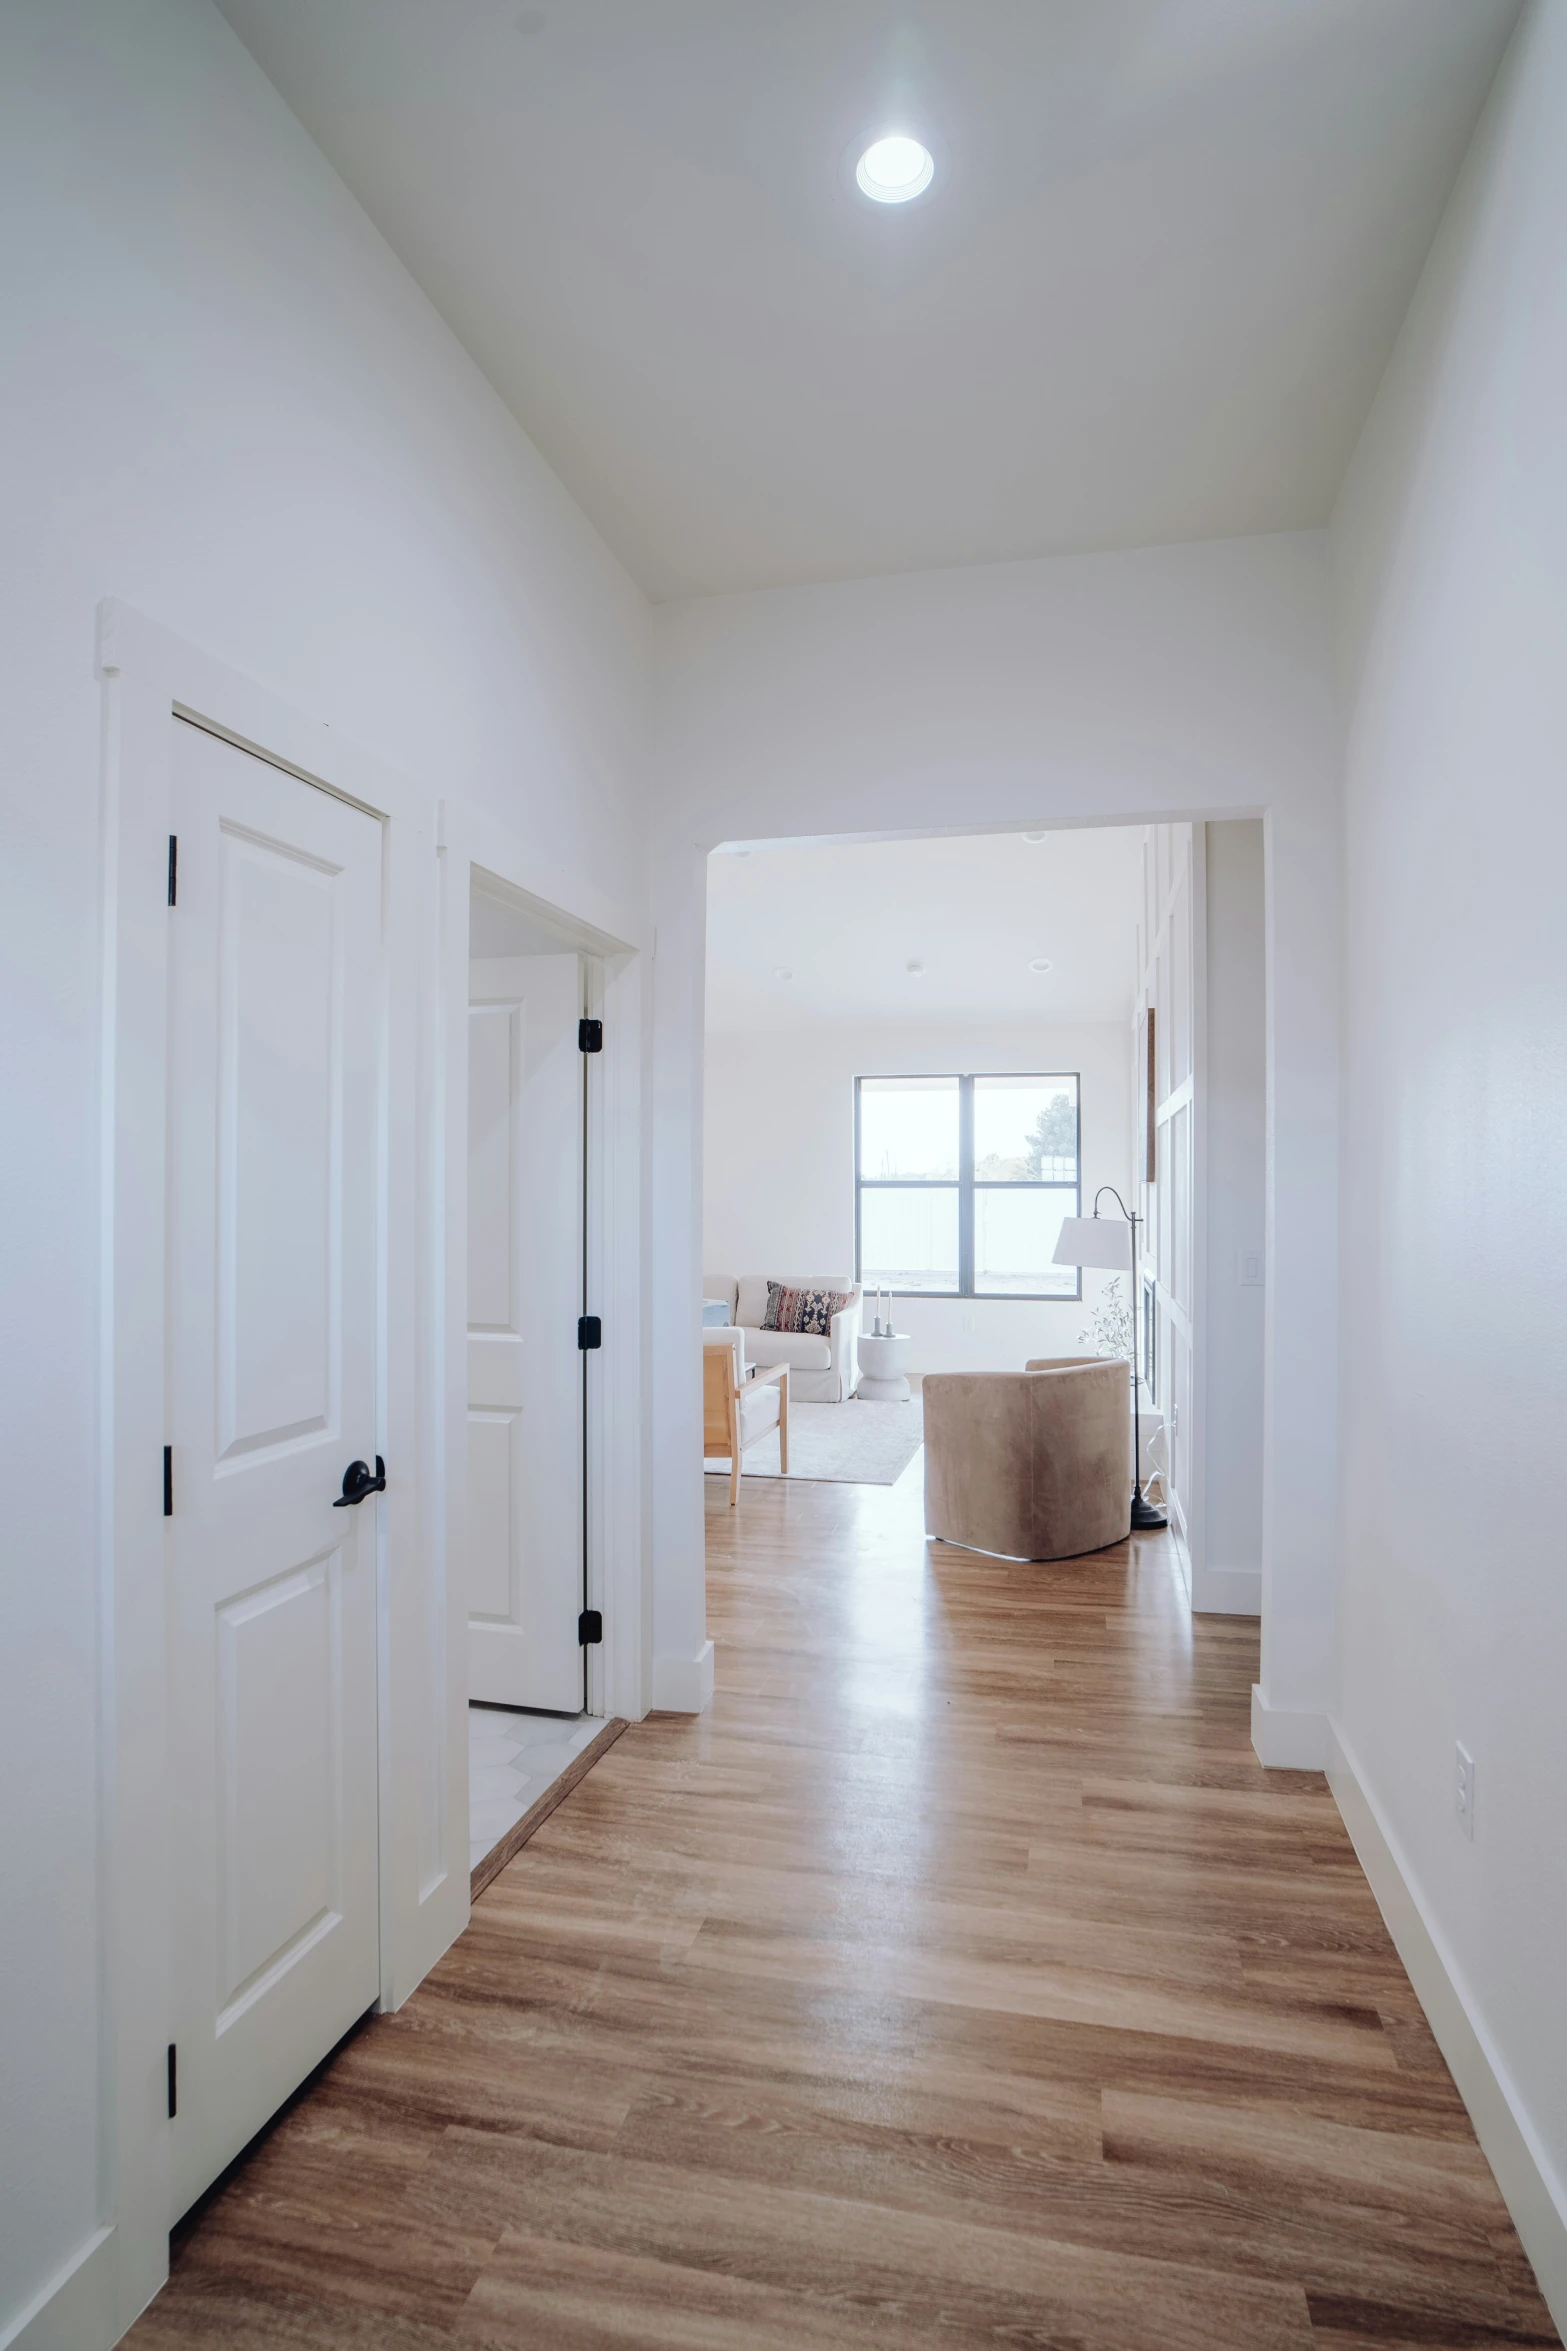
[895, 168]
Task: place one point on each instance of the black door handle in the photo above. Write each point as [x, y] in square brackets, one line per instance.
[357, 1483]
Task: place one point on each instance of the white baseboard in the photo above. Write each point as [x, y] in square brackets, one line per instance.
[1287, 1741]
[683, 1685]
[1533, 2193]
[75, 2310]
[1227, 1591]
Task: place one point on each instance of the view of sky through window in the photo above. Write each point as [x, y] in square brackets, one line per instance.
[909, 1128]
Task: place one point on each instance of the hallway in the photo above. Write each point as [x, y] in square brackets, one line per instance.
[959, 1978]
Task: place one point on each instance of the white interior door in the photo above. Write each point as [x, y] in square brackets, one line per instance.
[525, 1225]
[275, 955]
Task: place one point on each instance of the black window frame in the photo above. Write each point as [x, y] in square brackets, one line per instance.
[967, 1184]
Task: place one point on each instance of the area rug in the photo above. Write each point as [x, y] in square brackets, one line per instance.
[851, 1444]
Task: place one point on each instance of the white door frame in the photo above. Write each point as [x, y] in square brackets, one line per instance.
[477, 850]
[149, 676]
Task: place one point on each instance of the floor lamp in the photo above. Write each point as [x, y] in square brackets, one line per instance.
[1099, 1241]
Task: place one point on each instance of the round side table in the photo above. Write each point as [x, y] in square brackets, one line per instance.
[883, 1363]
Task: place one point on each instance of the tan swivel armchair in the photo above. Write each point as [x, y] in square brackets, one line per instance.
[736, 1411]
[1033, 1464]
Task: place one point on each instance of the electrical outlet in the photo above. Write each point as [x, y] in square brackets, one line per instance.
[1464, 1791]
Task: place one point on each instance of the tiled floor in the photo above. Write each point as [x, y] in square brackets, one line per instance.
[512, 1759]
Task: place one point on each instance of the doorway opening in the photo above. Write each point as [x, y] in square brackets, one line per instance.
[924, 1057]
[534, 1146]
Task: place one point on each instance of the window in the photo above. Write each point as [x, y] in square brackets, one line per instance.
[961, 1184]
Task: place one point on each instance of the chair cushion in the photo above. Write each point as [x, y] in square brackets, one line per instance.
[802, 1310]
[801, 1350]
[758, 1411]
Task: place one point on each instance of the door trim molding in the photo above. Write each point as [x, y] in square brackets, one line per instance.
[149, 676]
[73, 2307]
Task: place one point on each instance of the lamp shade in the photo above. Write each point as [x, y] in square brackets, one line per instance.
[1095, 1240]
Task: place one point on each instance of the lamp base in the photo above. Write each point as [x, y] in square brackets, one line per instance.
[1146, 1520]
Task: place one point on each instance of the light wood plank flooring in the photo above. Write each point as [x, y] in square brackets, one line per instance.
[960, 1979]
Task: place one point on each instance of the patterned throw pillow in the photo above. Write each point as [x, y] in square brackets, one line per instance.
[803, 1310]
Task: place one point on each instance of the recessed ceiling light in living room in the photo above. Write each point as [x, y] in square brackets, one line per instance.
[916, 971]
[1041, 963]
[1036, 836]
[782, 972]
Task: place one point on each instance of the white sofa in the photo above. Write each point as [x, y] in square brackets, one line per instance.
[821, 1371]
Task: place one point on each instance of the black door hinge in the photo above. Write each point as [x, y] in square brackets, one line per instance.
[590, 1628]
[174, 2093]
[590, 1036]
[168, 1481]
[590, 1332]
[174, 866]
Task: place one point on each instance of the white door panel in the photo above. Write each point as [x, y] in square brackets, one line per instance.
[279, 1200]
[275, 951]
[525, 1174]
[279, 1659]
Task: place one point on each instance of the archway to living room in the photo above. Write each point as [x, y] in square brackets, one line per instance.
[931, 1064]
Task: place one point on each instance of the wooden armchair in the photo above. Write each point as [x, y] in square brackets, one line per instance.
[736, 1411]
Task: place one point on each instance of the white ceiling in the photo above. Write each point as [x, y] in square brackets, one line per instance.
[1149, 298]
[846, 920]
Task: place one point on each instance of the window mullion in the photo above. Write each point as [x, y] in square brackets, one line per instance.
[965, 1187]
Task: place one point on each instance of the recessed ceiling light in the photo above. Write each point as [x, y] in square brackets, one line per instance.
[894, 169]
[1036, 836]
[916, 971]
[781, 971]
[1041, 963]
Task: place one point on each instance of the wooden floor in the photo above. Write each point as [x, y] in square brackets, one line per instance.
[959, 1979]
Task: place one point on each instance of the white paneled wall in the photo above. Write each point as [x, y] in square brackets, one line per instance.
[1169, 960]
[1202, 972]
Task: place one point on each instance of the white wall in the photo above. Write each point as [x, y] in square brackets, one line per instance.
[224, 401]
[1176, 681]
[778, 1158]
[1236, 1114]
[1448, 548]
